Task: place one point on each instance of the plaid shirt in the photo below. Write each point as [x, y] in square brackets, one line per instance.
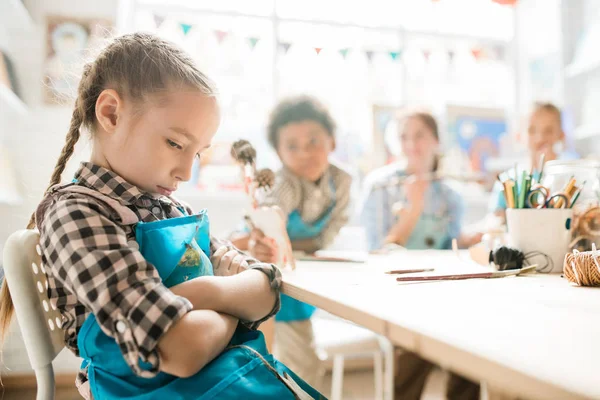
[95, 267]
[313, 199]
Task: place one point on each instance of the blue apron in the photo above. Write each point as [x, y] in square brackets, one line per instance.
[297, 229]
[430, 232]
[179, 248]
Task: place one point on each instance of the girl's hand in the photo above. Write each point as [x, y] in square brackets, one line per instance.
[467, 240]
[227, 262]
[415, 189]
[262, 247]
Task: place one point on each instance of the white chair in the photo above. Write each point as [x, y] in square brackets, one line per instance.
[339, 340]
[40, 322]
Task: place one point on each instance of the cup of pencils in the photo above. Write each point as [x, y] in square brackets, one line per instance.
[543, 235]
[539, 220]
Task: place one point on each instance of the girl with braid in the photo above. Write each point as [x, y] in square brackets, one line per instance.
[156, 306]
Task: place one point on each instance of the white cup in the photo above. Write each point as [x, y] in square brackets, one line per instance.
[547, 231]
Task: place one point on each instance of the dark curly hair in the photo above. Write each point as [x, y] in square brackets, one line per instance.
[298, 109]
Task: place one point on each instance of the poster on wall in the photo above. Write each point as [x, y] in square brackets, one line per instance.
[70, 42]
[477, 132]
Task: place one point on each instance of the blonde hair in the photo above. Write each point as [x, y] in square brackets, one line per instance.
[548, 107]
[136, 66]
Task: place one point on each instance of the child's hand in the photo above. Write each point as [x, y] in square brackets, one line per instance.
[415, 189]
[262, 248]
[227, 262]
[467, 240]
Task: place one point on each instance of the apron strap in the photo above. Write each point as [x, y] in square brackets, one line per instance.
[126, 215]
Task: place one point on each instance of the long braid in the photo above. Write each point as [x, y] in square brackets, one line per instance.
[77, 120]
[65, 155]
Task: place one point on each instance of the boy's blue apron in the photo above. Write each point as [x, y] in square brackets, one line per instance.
[297, 229]
[178, 248]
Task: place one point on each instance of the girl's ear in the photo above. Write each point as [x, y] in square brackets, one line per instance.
[108, 107]
[332, 138]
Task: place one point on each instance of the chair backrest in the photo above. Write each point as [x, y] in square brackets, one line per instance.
[40, 322]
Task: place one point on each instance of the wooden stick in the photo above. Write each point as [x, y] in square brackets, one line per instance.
[409, 271]
[444, 277]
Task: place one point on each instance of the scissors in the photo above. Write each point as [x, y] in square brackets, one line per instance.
[540, 197]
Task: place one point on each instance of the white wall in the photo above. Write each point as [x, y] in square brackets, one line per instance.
[34, 140]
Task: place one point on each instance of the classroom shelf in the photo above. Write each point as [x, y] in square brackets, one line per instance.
[15, 16]
[10, 99]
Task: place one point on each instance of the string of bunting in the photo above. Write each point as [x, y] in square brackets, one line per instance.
[479, 53]
[501, 2]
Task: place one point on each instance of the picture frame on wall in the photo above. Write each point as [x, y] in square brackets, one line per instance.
[69, 42]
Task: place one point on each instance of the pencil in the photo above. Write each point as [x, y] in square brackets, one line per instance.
[566, 190]
[542, 163]
[510, 195]
[516, 189]
[576, 195]
[410, 271]
[523, 190]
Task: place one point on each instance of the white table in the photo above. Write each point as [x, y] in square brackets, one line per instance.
[535, 336]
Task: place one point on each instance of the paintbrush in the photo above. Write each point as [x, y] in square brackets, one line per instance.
[492, 274]
[410, 271]
[542, 163]
[249, 222]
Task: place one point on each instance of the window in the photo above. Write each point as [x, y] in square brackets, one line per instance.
[355, 57]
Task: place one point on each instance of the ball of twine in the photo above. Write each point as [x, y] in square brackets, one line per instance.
[583, 268]
[243, 152]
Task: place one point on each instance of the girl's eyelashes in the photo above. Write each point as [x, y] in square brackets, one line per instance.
[177, 146]
[173, 144]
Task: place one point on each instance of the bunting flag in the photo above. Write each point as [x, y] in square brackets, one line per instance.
[344, 52]
[477, 53]
[506, 2]
[221, 35]
[284, 47]
[158, 20]
[426, 54]
[253, 42]
[185, 28]
[318, 50]
[369, 55]
[395, 55]
[451, 55]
